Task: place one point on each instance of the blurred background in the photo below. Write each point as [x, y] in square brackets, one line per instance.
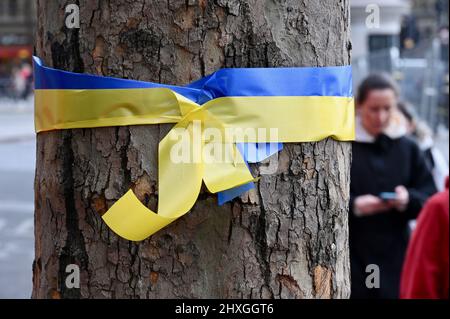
[17, 147]
[410, 43]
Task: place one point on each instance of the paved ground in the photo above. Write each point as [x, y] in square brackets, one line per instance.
[17, 160]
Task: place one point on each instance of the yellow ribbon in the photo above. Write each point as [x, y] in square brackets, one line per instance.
[294, 118]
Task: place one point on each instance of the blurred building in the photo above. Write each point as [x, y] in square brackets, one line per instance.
[17, 21]
[17, 28]
[431, 15]
[369, 38]
[410, 43]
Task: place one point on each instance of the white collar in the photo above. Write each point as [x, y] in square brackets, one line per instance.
[396, 129]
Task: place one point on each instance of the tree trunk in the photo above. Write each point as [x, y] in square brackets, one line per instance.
[288, 238]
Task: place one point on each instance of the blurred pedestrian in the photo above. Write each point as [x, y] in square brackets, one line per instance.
[423, 135]
[426, 269]
[18, 83]
[22, 80]
[389, 183]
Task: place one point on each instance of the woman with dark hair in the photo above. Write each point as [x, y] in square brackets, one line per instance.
[390, 181]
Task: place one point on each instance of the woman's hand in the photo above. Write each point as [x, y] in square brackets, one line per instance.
[366, 205]
[401, 200]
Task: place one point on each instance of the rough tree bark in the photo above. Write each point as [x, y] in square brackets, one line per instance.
[286, 239]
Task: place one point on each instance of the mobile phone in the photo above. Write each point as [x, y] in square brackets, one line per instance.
[387, 195]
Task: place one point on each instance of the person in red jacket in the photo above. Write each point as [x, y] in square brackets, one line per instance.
[426, 269]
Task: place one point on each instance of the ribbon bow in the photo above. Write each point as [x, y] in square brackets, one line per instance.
[211, 115]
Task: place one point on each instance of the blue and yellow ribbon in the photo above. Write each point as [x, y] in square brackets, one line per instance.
[301, 104]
